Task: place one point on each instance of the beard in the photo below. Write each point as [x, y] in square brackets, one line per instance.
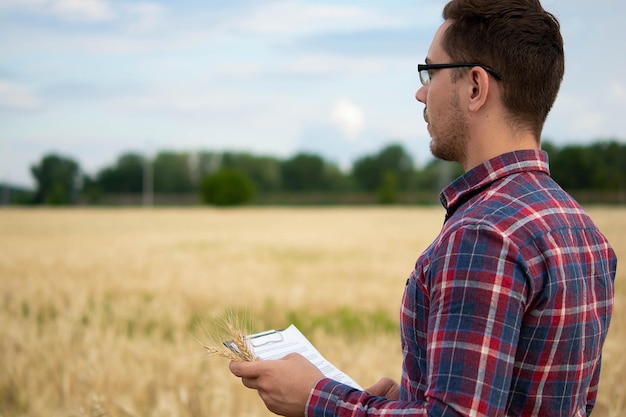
[448, 131]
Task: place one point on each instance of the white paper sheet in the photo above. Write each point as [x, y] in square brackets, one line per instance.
[276, 344]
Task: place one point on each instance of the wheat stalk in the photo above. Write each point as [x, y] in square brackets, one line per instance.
[229, 339]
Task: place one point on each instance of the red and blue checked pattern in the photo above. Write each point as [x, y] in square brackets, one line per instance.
[506, 312]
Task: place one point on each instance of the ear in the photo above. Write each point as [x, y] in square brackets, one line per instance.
[479, 84]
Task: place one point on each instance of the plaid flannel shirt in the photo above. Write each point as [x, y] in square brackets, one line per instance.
[506, 311]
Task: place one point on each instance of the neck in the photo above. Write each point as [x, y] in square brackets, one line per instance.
[492, 137]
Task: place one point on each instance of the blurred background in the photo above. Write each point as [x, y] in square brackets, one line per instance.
[106, 86]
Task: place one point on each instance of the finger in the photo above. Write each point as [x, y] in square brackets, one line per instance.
[234, 367]
[384, 387]
[251, 383]
[376, 389]
[292, 355]
[244, 369]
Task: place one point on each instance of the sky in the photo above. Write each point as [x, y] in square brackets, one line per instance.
[93, 79]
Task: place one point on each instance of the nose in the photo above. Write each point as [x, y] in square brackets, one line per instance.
[421, 93]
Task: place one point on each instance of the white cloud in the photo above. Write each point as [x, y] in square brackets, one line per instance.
[297, 18]
[577, 116]
[348, 117]
[591, 121]
[144, 15]
[315, 64]
[617, 91]
[148, 15]
[181, 98]
[81, 10]
[88, 10]
[18, 97]
[23, 4]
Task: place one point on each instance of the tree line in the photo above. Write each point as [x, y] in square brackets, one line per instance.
[388, 176]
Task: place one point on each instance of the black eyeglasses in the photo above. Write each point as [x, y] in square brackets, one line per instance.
[424, 70]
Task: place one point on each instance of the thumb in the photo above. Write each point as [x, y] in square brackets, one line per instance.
[385, 387]
[241, 368]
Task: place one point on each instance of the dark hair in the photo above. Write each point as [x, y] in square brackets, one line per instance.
[519, 39]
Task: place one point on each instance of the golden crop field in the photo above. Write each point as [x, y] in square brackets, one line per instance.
[101, 310]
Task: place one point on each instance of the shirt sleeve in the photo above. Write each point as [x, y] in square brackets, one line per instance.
[477, 285]
[332, 399]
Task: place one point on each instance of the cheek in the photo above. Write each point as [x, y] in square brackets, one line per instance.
[432, 98]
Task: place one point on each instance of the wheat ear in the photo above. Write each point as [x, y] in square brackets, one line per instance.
[232, 331]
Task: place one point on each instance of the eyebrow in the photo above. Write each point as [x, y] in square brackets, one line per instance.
[427, 60]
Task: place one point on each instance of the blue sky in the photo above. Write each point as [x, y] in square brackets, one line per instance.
[92, 79]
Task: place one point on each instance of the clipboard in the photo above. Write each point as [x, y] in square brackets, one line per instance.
[257, 340]
[276, 344]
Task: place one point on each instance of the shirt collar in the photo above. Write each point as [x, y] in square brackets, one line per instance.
[486, 173]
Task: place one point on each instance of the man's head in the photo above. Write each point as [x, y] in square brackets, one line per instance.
[521, 41]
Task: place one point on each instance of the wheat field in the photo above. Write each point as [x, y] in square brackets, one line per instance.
[103, 311]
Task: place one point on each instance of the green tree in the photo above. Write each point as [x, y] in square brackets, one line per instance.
[572, 167]
[172, 173]
[600, 166]
[436, 175]
[263, 171]
[58, 180]
[304, 172]
[369, 171]
[126, 176]
[91, 190]
[388, 191]
[226, 187]
[337, 180]
[609, 166]
[365, 173]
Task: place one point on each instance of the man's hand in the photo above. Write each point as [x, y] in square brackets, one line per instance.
[283, 385]
[385, 387]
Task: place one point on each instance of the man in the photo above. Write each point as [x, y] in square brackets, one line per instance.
[506, 312]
